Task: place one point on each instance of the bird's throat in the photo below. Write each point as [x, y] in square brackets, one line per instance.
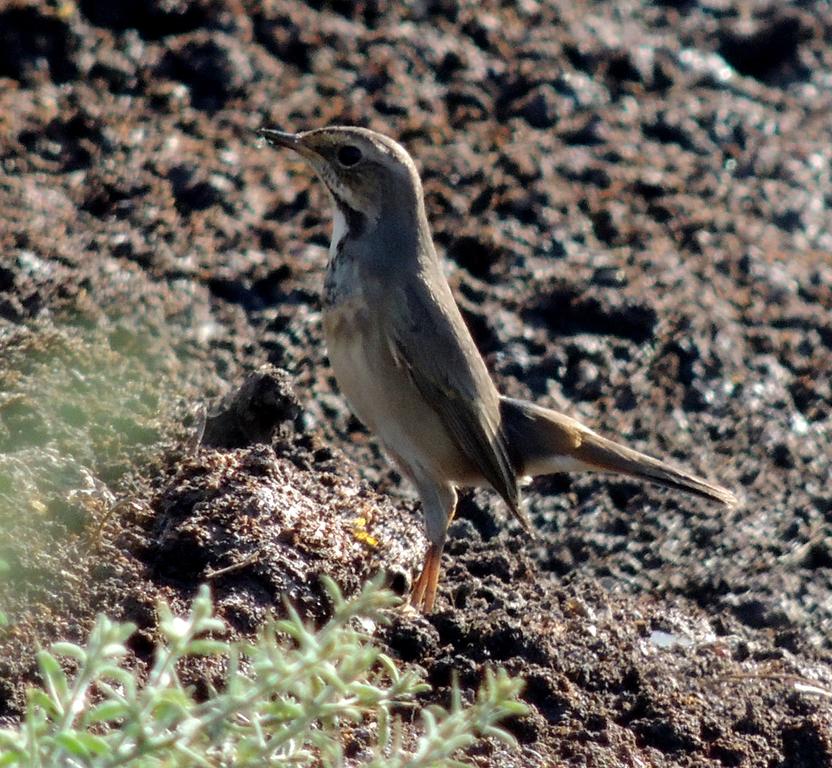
[347, 224]
[339, 231]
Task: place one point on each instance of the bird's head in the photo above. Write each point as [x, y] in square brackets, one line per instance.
[366, 173]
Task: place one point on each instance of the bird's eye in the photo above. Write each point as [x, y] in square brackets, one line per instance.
[349, 155]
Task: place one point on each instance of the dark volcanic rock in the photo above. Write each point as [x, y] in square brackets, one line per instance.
[258, 528]
[264, 404]
[214, 67]
[36, 45]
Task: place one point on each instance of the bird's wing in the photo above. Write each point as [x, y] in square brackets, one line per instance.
[431, 341]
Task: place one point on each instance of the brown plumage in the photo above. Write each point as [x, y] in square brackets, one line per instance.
[407, 364]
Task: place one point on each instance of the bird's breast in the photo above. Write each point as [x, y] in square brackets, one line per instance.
[380, 391]
[353, 348]
[383, 396]
[342, 283]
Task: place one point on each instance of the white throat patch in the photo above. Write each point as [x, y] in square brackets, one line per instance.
[339, 230]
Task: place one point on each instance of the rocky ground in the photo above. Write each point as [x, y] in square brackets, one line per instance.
[634, 202]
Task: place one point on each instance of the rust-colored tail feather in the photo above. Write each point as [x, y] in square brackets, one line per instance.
[612, 457]
[542, 441]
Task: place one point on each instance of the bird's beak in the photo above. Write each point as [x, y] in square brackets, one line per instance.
[281, 138]
[293, 141]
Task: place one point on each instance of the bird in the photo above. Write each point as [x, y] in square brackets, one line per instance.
[408, 366]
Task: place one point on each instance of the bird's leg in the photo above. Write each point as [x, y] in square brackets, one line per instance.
[438, 503]
[424, 588]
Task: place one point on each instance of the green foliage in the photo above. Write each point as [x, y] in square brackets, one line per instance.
[286, 700]
[84, 393]
[4, 567]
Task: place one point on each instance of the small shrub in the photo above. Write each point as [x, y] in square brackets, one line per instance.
[286, 698]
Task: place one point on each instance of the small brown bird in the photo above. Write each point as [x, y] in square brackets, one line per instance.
[407, 364]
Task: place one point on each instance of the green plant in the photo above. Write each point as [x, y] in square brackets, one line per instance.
[286, 700]
[4, 620]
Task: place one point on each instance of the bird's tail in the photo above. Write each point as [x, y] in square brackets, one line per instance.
[542, 441]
